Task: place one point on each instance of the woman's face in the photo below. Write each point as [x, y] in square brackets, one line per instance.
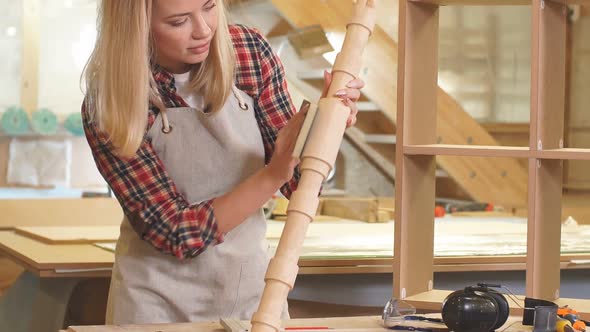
[182, 31]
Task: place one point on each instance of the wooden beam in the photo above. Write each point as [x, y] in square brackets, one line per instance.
[468, 150]
[280, 29]
[385, 150]
[381, 139]
[416, 124]
[547, 121]
[30, 55]
[569, 51]
[477, 2]
[572, 2]
[384, 166]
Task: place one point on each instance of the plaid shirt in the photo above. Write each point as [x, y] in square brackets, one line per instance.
[149, 198]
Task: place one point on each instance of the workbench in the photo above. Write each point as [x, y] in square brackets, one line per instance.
[331, 248]
[348, 324]
[38, 299]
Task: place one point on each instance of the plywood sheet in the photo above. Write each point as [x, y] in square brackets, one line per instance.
[42, 256]
[348, 324]
[59, 212]
[70, 234]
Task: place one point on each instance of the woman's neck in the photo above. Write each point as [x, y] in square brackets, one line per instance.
[175, 68]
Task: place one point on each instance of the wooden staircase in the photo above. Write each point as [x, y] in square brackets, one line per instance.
[500, 180]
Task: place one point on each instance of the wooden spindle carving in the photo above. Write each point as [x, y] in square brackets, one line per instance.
[317, 160]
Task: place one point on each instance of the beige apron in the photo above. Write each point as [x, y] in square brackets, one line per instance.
[206, 155]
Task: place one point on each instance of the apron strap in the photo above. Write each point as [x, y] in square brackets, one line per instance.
[241, 102]
[167, 128]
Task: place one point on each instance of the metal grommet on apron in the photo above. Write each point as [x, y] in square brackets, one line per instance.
[206, 155]
[243, 105]
[167, 128]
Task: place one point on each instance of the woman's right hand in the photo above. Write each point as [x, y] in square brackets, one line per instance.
[282, 163]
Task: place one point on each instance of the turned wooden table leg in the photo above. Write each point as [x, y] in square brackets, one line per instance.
[317, 160]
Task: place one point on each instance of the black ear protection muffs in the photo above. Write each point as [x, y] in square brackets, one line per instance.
[475, 309]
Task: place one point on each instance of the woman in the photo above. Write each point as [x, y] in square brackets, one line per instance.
[182, 114]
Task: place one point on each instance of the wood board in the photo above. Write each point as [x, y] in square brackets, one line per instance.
[40, 256]
[344, 324]
[59, 212]
[70, 234]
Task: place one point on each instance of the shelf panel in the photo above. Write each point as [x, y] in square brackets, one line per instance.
[432, 300]
[573, 2]
[478, 2]
[495, 151]
[496, 2]
[468, 150]
[565, 154]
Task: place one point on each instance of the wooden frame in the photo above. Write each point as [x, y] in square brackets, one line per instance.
[417, 148]
[454, 125]
[415, 174]
[545, 176]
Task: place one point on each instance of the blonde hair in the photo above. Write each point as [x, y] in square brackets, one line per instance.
[118, 78]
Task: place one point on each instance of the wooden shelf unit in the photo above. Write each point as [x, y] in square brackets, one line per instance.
[416, 148]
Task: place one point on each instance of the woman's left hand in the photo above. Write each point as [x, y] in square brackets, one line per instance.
[349, 95]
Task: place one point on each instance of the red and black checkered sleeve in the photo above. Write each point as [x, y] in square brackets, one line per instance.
[261, 74]
[150, 200]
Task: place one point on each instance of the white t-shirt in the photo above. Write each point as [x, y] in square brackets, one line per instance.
[193, 99]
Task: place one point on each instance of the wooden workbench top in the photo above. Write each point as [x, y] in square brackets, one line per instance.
[71, 234]
[365, 324]
[432, 300]
[45, 249]
[56, 260]
[350, 322]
